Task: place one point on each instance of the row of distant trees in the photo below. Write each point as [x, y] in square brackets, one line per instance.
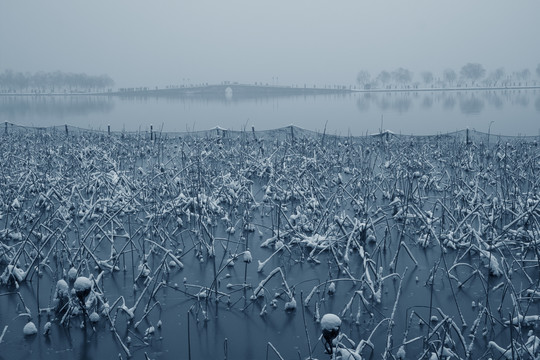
[42, 82]
[470, 74]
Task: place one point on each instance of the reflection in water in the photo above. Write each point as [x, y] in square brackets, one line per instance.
[399, 102]
[402, 105]
[449, 103]
[363, 103]
[522, 100]
[427, 102]
[410, 112]
[471, 105]
[14, 107]
[384, 103]
[470, 102]
[494, 100]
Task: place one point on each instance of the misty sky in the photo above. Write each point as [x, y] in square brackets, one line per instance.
[156, 43]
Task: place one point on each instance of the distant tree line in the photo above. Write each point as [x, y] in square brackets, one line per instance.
[46, 82]
[470, 74]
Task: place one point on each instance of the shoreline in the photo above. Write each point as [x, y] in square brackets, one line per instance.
[257, 90]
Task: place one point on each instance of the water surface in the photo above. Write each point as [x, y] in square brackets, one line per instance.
[505, 112]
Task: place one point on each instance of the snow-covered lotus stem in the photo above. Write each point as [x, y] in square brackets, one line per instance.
[257, 291]
[330, 326]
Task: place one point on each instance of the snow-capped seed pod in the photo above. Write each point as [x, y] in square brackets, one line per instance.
[62, 289]
[29, 329]
[72, 274]
[94, 317]
[47, 328]
[290, 305]
[82, 287]
[401, 354]
[247, 257]
[330, 325]
[332, 288]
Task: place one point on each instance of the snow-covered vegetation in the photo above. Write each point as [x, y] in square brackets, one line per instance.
[422, 247]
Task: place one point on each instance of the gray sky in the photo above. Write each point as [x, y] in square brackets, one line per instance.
[161, 42]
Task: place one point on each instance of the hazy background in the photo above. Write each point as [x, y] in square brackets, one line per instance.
[157, 43]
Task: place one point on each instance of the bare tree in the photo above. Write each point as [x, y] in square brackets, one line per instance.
[450, 76]
[497, 75]
[473, 71]
[384, 77]
[523, 75]
[363, 78]
[427, 77]
[402, 76]
[50, 81]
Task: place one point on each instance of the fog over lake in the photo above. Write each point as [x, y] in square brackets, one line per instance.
[140, 43]
[136, 44]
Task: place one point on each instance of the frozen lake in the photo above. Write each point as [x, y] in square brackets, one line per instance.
[505, 112]
[417, 243]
